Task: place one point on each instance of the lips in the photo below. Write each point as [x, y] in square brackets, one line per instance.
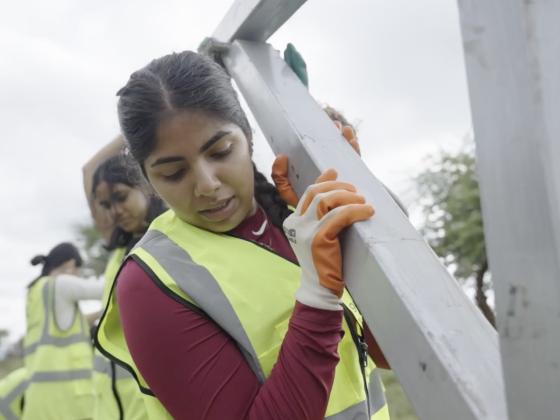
[217, 206]
[122, 220]
[125, 224]
[220, 210]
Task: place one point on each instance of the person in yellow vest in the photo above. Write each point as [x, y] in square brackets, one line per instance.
[232, 305]
[12, 388]
[116, 190]
[57, 345]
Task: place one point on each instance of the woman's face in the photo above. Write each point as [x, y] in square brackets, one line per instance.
[201, 166]
[128, 205]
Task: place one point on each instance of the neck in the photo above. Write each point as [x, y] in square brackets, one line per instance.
[253, 209]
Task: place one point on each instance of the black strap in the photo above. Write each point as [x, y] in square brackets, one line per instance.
[361, 347]
[115, 390]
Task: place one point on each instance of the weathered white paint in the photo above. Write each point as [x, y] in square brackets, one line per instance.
[512, 52]
[255, 20]
[443, 351]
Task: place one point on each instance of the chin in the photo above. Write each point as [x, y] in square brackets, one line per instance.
[223, 225]
[133, 230]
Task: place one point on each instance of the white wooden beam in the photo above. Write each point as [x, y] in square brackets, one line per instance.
[442, 349]
[255, 20]
[512, 52]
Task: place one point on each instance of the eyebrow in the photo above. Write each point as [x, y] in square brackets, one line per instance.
[215, 138]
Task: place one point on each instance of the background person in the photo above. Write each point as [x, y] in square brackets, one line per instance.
[57, 347]
[117, 191]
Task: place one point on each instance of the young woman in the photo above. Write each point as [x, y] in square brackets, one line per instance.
[57, 348]
[115, 189]
[203, 311]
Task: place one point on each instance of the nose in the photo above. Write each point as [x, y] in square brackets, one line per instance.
[206, 181]
[116, 209]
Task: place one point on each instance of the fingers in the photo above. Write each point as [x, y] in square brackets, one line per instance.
[350, 136]
[348, 133]
[341, 218]
[328, 175]
[280, 166]
[336, 199]
[325, 247]
[322, 187]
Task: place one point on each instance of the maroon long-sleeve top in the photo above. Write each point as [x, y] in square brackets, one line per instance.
[197, 371]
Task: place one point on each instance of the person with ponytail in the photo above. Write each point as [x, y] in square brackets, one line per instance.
[120, 194]
[57, 346]
[232, 305]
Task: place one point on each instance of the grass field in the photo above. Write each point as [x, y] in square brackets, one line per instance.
[399, 406]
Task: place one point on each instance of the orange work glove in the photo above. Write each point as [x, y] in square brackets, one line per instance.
[280, 166]
[280, 178]
[326, 208]
[349, 134]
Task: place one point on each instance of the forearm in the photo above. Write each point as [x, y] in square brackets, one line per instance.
[102, 219]
[109, 150]
[73, 289]
[300, 383]
[93, 316]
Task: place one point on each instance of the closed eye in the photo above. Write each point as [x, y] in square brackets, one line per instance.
[222, 153]
[175, 176]
[105, 205]
[120, 197]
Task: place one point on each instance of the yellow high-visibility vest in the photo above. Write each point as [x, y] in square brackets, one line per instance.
[58, 362]
[116, 393]
[229, 279]
[12, 388]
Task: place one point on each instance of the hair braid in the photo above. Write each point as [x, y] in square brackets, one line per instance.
[269, 199]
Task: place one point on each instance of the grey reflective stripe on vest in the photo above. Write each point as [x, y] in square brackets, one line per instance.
[376, 394]
[6, 411]
[359, 411]
[58, 376]
[46, 338]
[55, 341]
[5, 402]
[102, 366]
[355, 412]
[122, 373]
[202, 288]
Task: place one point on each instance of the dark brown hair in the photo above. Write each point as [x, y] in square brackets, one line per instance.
[186, 81]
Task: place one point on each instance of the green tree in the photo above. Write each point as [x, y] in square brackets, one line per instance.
[3, 334]
[450, 201]
[91, 244]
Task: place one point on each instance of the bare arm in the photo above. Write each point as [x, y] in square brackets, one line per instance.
[101, 217]
[68, 291]
[93, 316]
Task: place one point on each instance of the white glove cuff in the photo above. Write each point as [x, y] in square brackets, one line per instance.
[317, 296]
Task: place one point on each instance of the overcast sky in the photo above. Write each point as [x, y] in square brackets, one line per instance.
[394, 67]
